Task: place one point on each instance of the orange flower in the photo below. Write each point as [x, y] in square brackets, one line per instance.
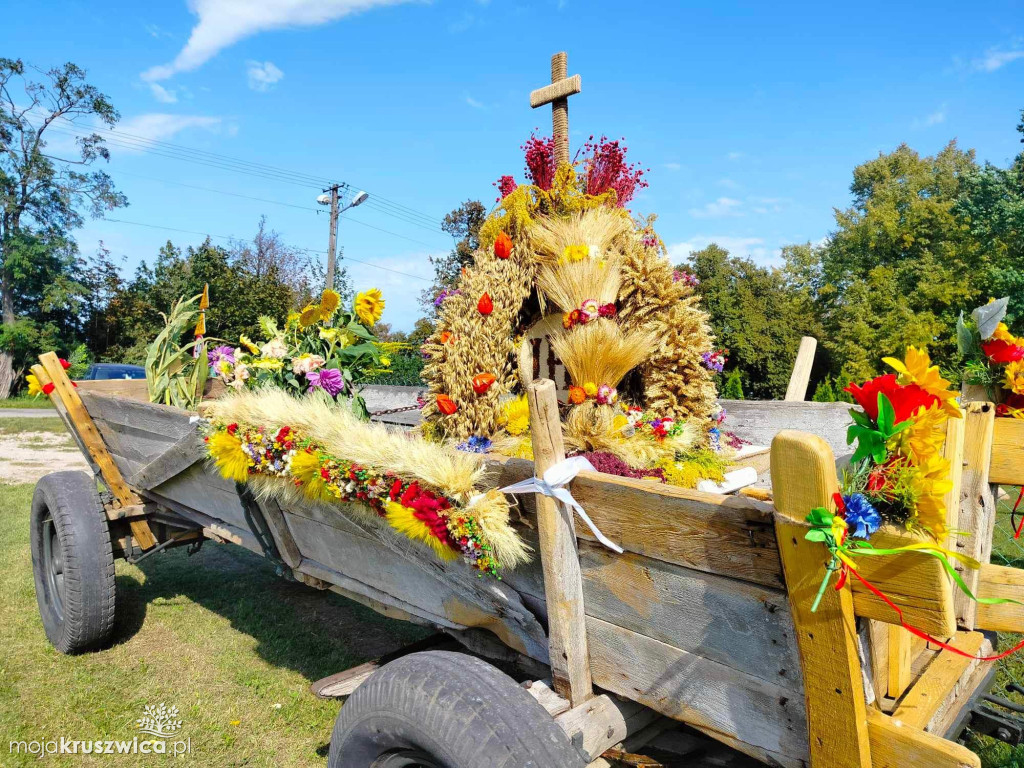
[503, 246]
[446, 336]
[485, 306]
[482, 382]
[577, 395]
[446, 405]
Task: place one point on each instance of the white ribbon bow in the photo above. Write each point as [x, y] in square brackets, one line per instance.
[553, 484]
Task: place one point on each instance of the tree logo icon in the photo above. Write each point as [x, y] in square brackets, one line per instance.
[159, 720]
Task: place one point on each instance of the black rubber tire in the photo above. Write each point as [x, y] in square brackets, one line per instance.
[68, 522]
[459, 711]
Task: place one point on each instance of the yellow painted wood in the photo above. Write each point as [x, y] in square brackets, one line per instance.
[563, 583]
[1000, 581]
[804, 477]
[977, 507]
[1007, 452]
[90, 437]
[936, 684]
[953, 451]
[894, 745]
[900, 660]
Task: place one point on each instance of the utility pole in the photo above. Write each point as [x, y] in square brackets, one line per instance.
[332, 243]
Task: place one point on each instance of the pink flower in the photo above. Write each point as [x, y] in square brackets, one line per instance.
[306, 363]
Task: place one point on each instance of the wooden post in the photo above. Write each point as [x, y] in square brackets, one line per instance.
[801, 376]
[804, 477]
[90, 437]
[977, 506]
[563, 584]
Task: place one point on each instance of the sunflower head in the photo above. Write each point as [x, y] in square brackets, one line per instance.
[918, 369]
[369, 306]
[310, 314]
[34, 388]
[1015, 377]
[329, 303]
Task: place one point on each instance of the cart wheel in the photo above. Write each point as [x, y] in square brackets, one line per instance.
[72, 561]
[438, 709]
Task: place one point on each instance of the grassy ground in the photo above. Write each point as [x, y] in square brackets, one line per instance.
[218, 635]
[24, 401]
[16, 425]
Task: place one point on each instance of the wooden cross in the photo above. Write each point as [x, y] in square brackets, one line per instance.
[557, 95]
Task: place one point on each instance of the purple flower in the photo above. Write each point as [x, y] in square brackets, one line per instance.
[329, 380]
[223, 352]
[714, 361]
[444, 295]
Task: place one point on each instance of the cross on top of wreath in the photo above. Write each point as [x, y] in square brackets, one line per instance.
[557, 95]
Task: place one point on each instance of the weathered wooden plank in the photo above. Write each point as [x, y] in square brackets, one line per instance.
[407, 570]
[181, 455]
[282, 534]
[804, 477]
[759, 421]
[601, 722]
[998, 581]
[90, 437]
[342, 684]
[928, 697]
[742, 625]
[161, 420]
[894, 745]
[978, 507]
[900, 660]
[563, 586]
[801, 375]
[953, 452]
[727, 535]
[135, 389]
[546, 697]
[1007, 452]
[755, 716]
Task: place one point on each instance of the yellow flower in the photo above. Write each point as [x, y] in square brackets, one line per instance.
[34, 388]
[385, 362]
[310, 314]
[1015, 377]
[515, 416]
[329, 303]
[924, 438]
[590, 388]
[575, 252]
[918, 369]
[267, 365]
[929, 483]
[1002, 333]
[293, 320]
[247, 345]
[369, 306]
[305, 467]
[231, 460]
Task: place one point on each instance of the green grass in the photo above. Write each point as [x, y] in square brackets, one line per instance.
[17, 425]
[24, 401]
[219, 635]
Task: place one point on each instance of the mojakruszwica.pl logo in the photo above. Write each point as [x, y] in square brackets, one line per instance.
[159, 734]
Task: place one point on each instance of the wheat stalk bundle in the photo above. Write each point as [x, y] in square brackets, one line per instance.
[569, 284]
[598, 228]
[600, 351]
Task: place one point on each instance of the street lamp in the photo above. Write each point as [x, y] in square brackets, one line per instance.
[332, 200]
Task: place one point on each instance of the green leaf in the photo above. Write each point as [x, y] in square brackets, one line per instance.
[816, 534]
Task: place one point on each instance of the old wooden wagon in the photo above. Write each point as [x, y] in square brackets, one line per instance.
[705, 619]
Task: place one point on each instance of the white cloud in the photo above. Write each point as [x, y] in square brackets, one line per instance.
[223, 23]
[935, 118]
[734, 155]
[262, 75]
[163, 95]
[995, 58]
[752, 247]
[673, 166]
[728, 184]
[723, 206]
[764, 205]
[474, 103]
[158, 126]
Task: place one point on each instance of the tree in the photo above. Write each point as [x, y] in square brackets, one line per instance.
[42, 199]
[733, 387]
[463, 224]
[824, 392]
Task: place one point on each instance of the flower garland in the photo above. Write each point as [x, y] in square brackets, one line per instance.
[995, 357]
[242, 452]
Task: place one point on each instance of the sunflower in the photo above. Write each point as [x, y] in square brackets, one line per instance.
[246, 343]
[923, 438]
[369, 306]
[1014, 377]
[227, 453]
[918, 369]
[515, 416]
[930, 483]
[310, 314]
[329, 303]
[34, 388]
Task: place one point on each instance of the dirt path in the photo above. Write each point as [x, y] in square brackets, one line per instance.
[30, 455]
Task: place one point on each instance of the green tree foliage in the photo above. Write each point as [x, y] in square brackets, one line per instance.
[463, 224]
[824, 392]
[758, 313]
[43, 198]
[733, 387]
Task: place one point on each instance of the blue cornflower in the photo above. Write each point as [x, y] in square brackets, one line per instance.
[861, 517]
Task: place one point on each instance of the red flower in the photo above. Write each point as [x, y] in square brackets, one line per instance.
[232, 428]
[282, 435]
[446, 405]
[396, 490]
[906, 399]
[485, 306]
[999, 351]
[64, 363]
[606, 310]
[503, 246]
[407, 498]
[482, 382]
[48, 388]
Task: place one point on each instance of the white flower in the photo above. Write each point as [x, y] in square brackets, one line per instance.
[275, 348]
[306, 363]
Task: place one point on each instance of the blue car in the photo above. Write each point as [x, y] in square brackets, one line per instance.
[106, 371]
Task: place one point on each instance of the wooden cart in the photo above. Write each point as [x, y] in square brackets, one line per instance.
[704, 619]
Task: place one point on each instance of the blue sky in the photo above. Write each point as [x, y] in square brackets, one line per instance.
[751, 116]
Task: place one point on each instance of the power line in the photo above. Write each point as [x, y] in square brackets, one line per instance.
[231, 238]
